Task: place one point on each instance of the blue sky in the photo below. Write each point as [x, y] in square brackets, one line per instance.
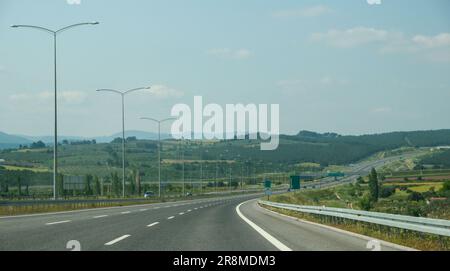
[340, 66]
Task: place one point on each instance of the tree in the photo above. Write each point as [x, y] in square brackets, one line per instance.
[19, 186]
[115, 184]
[386, 191]
[445, 186]
[373, 185]
[138, 182]
[415, 196]
[132, 185]
[87, 185]
[97, 186]
[38, 145]
[360, 180]
[365, 203]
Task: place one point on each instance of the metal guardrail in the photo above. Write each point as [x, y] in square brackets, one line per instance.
[420, 224]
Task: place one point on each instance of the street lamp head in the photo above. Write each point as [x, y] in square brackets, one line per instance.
[93, 23]
[14, 26]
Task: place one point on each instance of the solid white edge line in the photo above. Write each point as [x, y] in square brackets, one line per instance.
[117, 240]
[364, 237]
[263, 233]
[153, 224]
[58, 222]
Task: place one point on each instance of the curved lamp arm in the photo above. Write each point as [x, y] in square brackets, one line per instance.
[75, 25]
[35, 27]
[110, 90]
[123, 93]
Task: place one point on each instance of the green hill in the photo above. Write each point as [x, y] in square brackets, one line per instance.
[239, 156]
[11, 141]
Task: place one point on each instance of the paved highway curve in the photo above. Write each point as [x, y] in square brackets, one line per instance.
[224, 224]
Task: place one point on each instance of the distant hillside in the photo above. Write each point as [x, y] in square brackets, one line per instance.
[132, 133]
[440, 159]
[99, 139]
[11, 141]
[324, 149]
[337, 149]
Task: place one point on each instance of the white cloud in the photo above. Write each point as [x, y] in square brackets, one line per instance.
[164, 92]
[313, 11]
[440, 40]
[433, 48]
[67, 97]
[73, 2]
[374, 2]
[229, 53]
[351, 37]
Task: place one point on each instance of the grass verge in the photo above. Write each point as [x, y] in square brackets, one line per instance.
[417, 240]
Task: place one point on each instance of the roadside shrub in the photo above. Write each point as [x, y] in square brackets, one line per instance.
[445, 186]
[365, 203]
[415, 196]
[387, 191]
[416, 209]
[360, 180]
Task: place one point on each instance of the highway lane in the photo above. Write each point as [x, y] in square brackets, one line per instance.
[205, 225]
[52, 231]
[301, 235]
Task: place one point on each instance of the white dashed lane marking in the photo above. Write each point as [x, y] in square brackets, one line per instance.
[110, 243]
[57, 222]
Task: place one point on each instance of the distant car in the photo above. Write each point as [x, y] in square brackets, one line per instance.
[148, 194]
[188, 194]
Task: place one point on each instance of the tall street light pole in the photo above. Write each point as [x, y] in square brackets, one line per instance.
[122, 94]
[159, 147]
[54, 33]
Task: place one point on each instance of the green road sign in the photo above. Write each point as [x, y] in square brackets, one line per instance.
[295, 182]
[267, 183]
[336, 174]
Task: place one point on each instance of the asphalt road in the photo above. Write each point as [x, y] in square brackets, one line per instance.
[222, 224]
